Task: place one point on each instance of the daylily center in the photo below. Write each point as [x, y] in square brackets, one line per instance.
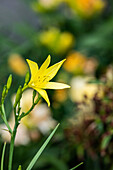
[40, 81]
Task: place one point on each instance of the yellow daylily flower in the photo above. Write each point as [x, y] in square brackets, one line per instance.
[40, 77]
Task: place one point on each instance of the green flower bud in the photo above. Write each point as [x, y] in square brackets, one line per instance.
[9, 81]
[18, 95]
[27, 78]
[19, 168]
[4, 92]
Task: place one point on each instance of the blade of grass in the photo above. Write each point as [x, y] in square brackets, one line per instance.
[2, 159]
[76, 166]
[35, 158]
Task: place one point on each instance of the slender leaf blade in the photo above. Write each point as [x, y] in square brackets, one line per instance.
[35, 158]
[76, 166]
[3, 153]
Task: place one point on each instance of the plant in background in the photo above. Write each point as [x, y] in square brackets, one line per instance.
[90, 130]
[39, 81]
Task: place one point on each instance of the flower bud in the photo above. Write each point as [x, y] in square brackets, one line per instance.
[4, 92]
[18, 95]
[9, 81]
[27, 77]
[19, 168]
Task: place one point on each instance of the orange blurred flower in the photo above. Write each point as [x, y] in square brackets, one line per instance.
[17, 64]
[77, 63]
[86, 8]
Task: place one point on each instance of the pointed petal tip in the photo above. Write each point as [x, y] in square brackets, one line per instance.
[55, 85]
[68, 87]
[27, 60]
[63, 60]
[49, 56]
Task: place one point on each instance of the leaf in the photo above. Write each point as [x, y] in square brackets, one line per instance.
[76, 166]
[95, 81]
[41, 149]
[2, 159]
[105, 141]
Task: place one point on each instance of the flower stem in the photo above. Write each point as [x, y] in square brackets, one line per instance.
[13, 134]
[3, 116]
[32, 107]
[12, 146]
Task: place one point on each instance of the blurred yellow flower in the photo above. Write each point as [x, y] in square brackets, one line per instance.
[75, 63]
[86, 8]
[54, 39]
[66, 41]
[81, 88]
[17, 64]
[40, 77]
[44, 5]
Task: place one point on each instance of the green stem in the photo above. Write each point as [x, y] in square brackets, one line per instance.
[25, 87]
[6, 123]
[13, 134]
[12, 146]
[32, 107]
[3, 115]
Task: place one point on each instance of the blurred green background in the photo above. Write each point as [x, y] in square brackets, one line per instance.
[82, 32]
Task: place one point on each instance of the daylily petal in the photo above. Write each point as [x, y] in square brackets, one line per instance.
[33, 68]
[52, 71]
[43, 93]
[55, 85]
[45, 64]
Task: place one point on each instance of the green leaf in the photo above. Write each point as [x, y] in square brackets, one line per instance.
[2, 159]
[105, 141]
[76, 166]
[41, 149]
[95, 81]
